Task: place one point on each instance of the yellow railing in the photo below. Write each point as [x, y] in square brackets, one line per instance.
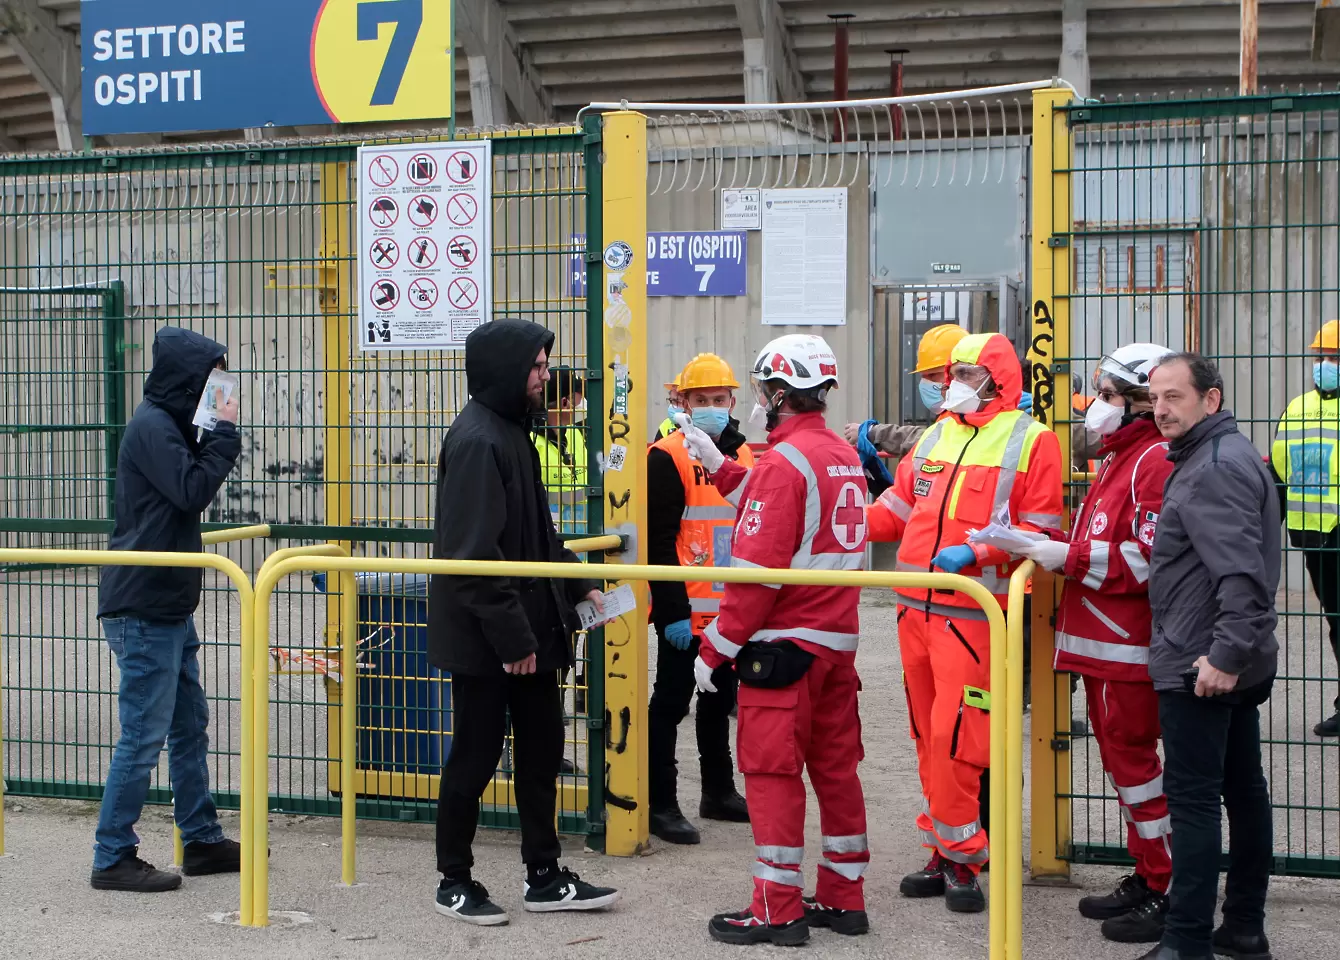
[1008, 804]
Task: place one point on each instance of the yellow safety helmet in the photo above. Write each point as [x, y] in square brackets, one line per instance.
[705, 371]
[673, 384]
[1327, 339]
[936, 345]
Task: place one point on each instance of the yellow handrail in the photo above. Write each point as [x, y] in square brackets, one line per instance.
[259, 531]
[1012, 807]
[129, 558]
[270, 575]
[595, 544]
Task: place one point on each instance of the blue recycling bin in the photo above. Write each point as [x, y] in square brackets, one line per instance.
[403, 723]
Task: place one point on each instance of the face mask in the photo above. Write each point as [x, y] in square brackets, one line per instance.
[931, 395]
[1326, 375]
[711, 420]
[1103, 417]
[673, 411]
[758, 417]
[961, 398]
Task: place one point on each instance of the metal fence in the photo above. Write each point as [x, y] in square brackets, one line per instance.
[1210, 225]
[255, 246]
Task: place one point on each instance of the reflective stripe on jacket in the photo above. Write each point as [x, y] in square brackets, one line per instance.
[1304, 456]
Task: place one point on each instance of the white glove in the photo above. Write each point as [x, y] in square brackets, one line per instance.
[702, 675]
[1050, 554]
[701, 447]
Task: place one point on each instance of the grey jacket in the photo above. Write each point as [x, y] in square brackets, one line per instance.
[1215, 566]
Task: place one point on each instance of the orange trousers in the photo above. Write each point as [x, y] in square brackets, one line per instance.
[947, 673]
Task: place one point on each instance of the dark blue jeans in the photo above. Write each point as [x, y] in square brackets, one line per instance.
[160, 700]
[1212, 749]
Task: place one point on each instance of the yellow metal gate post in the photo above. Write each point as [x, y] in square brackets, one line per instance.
[1051, 262]
[624, 298]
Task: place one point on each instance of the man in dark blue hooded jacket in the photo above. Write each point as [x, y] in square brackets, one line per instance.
[165, 478]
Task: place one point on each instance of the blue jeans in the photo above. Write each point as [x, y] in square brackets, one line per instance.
[160, 700]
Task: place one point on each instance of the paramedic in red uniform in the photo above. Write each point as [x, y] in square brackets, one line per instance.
[794, 647]
[983, 460]
[1103, 627]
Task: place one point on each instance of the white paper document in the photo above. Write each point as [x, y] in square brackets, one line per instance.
[1000, 534]
[805, 256]
[617, 602]
[219, 389]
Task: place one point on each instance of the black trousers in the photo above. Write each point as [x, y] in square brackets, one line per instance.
[481, 707]
[1321, 556]
[670, 700]
[1212, 750]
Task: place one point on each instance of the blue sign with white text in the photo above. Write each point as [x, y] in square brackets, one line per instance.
[710, 263]
[157, 66]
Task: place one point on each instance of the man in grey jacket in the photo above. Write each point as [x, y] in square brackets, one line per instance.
[1213, 574]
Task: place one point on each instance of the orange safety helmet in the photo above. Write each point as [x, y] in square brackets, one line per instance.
[1327, 339]
[936, 345]
[705, 371]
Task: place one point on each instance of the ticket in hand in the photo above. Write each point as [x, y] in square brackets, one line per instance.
[617, 602]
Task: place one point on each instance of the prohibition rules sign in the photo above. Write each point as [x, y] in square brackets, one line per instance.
[426, 235]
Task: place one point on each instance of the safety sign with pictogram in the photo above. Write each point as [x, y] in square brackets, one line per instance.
[427, 237]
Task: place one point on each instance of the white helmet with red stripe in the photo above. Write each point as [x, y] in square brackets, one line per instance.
[800, 360]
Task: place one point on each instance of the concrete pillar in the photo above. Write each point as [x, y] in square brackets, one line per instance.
[488, 105]
[758, 82]
[1074, 65]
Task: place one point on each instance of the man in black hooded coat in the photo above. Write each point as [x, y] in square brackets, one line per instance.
[505, 640]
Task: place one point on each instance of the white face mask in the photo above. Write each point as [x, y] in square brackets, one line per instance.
[1103, 418]
[961, 398]
[758, 417]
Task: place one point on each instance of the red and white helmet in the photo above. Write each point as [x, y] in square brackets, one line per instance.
[800, 360]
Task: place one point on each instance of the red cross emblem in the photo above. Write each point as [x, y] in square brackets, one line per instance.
[849, 517]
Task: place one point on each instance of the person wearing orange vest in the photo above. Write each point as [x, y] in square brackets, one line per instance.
[984, 459]
[689, 524]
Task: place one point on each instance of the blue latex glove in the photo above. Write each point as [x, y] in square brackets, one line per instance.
[869, 454]
[954, 559]
[1026, 402]
[680, 634]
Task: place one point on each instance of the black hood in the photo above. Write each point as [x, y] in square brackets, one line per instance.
[1215, 425]
[498, 360]
[182, 363]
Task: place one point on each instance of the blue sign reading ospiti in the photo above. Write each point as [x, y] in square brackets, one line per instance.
[706, 263]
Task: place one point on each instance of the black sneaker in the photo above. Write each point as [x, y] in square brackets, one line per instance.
[927, 882]
[568, 891]
[729, 807]
[1131, 891]
[1241, 946]
[849, 923]
[1144, 924]
[745, 928]
[1328, 728]
[963, 894]
[202, 859]
[134, 875]
[469, 901]
[670, 825]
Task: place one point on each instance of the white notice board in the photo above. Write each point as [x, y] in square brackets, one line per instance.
[805, 256]
[425, 243]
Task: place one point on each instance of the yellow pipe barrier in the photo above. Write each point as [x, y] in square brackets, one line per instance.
[1013, 807]
[272, 573]
[260, 531]
[595, 544]
[246, 598]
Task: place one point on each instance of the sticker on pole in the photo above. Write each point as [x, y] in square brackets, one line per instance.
[427, 239]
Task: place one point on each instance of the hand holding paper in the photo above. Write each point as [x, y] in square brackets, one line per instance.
[1050, 554]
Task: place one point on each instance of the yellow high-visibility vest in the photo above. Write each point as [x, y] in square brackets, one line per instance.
[564, 479]
[1304, 456]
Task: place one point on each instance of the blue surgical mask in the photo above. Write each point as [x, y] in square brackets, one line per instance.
[711, 420]
[673, 411]
[932, 395]
[1326, 375]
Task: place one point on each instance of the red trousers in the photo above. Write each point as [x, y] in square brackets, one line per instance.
[812, 725]
[947, 673]
[1125, 721]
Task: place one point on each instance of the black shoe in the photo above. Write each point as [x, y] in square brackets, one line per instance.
[579, 702]
[1241, 946]
[1328, 728]
[469, 901]
[744, 928]
[1144, 924]
[202, 859]
[1078, 727]
[1162, 952]
[729, 807]
[849, 923]
[963, 894]
[1130, 893]
[566, 768]
[567, 891]
[672, 827]
[927, 882]
[134, 875]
